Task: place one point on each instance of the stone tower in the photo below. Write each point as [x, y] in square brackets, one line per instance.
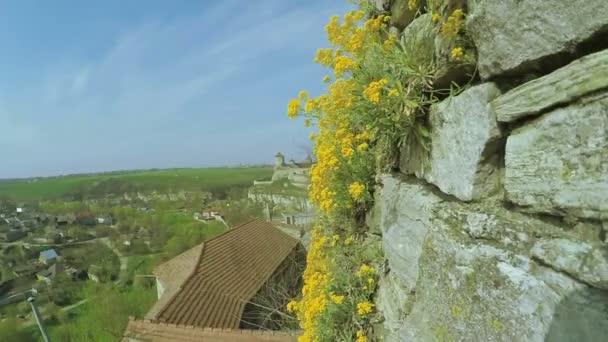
[279, 160]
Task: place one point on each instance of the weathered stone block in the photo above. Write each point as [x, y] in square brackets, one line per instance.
[564, 85]
[584, 261]
[466, 272]
[405, 209]
[401, 14]
[557, 164]
[393, 300]
[465, 137]
[514, 35]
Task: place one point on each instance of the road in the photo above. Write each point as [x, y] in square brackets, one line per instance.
[27, 244]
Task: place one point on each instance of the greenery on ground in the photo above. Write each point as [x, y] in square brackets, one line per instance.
[280, 187]
[215, 180]
[376, 102]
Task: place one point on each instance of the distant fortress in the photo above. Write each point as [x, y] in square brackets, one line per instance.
[297, 174]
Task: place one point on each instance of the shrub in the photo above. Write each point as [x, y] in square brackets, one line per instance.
[377, 100]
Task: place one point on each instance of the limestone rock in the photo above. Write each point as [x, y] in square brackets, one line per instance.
[583, 261]
[465, 137]
[514, 35]
[557, 164]
[393, 300]
[453, 278]
[564, 85]
[420, 34]
[401, 14]
[382, 5]
[405, 210]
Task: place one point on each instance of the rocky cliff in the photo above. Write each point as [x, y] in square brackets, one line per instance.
[498, 233]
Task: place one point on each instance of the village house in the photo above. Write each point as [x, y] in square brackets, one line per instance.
[49, 274]
[63, 220]
[11, 235]
[221, 280]
[299, 219]
[48, 256]
[105, 219]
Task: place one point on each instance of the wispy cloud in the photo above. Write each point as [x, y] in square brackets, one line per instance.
[226, 71]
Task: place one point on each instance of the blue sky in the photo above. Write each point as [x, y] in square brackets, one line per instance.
[108, 85]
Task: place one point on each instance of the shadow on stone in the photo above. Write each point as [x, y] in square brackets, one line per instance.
[581, 317]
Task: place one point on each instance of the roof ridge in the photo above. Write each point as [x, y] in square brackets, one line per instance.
[232, 229]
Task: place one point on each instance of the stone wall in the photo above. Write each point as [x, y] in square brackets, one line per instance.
[498, 233]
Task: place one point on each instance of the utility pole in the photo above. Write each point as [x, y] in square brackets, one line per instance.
[28, 295]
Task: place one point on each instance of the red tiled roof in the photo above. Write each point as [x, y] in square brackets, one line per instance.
[231, 269]
[172, 275]
[145, 330]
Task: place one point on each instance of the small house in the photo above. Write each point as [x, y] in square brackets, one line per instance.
[86, 218]
[299, 219]
[11, 235]
[63, 220]
[50, 273]
[105, 219]
[48, 256]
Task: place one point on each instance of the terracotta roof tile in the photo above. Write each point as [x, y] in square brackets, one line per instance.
[172, 275]
[148, 331]
[230, 271]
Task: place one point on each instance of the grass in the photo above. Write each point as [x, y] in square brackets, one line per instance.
[201, 179]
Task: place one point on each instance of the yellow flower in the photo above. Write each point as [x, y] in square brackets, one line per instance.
[365, 270]
[363, 147]
[373, 90]
[348, 241]
[326, 79]
[292, 306]
[453, 24]
[303, 94]
[361, 336]
[324, 56]
[436, 17]
[356, 190]
[370, 281]
[347, 151]
[343, 64]
[412, 4]
[457, 53]
[364, 308]
[334, 240]
[393, 92]
[293, 108]
[336, 298]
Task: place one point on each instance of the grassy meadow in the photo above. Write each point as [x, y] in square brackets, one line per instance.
[199, 179]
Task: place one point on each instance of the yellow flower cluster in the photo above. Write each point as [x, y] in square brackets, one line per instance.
[453, 24]
[365, 270]
[343, 65]
[374, 89]
[412, 4]
[356, 190]
[317, 277]
[457, 53]
[336, 298]
[293, 108]
[344, 149]
[361, 336]
[365, 308]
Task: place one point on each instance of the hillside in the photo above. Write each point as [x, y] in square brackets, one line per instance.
[96, 185]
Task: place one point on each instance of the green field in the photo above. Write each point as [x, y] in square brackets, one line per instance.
[203, 179]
